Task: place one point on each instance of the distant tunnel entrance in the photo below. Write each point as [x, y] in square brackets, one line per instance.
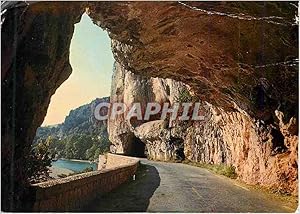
[137, 148]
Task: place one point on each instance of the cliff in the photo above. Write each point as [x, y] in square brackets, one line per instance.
[79, 121]
[80, 136]
[129, 89]
[261, 154]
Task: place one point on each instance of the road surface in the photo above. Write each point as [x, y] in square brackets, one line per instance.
[175, 187]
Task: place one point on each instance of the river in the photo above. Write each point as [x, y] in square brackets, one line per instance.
[74, 165]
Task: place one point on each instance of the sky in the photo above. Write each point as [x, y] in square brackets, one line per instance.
[92, 62]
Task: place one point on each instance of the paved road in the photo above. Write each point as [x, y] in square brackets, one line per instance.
[165, 187]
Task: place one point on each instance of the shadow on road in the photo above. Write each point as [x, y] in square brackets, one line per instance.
[133, 196]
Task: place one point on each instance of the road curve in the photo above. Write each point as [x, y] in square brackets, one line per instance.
[174, 187]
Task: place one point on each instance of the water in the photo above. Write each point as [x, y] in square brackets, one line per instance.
[75, 166]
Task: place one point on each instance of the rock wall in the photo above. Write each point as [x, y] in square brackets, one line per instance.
[230, 57]
[226, 51]
[264, 154]
[129, 89]
[77, 191]
[35, 62]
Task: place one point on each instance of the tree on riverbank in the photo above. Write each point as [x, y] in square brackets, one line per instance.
[83, 147]
[38, 162]
[80, 136]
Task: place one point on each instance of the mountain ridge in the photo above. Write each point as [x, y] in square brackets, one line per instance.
[80, 119]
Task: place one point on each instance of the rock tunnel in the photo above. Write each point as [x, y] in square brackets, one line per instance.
[214, 47]
[138, 148]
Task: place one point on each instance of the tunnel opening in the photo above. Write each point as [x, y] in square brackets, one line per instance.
[138, 148]
[92, 61]
[70, 129]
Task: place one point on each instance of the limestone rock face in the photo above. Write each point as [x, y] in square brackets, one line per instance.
[156, 137]
[130, 88]
[230, 57]
[225, 51]
[264, 154]
[35, 62]
[259, 157]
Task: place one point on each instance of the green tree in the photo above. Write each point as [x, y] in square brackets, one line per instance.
[184, 96]
[38, 162]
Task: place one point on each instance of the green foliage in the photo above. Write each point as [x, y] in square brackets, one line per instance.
[100, 146]
[83, 147]
[221, 169]
[228, 171]
[38, 162]
[80, 136]
[184, 96]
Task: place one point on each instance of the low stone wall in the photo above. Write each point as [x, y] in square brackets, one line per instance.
[74, 192]
[109, 161]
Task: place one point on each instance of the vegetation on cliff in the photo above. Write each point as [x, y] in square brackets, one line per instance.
[80, 136]
[76, 146]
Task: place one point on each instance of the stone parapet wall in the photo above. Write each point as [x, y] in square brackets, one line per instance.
[74, 192]
[110, 161]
